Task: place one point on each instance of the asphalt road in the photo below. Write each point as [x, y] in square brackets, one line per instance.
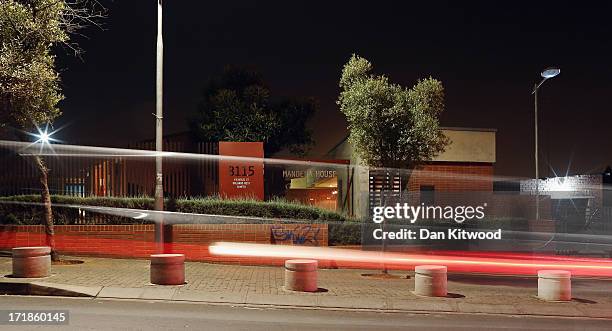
[96, 314]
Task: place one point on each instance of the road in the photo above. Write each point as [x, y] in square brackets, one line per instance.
[96, 314]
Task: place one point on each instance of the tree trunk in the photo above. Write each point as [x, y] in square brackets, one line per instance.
[48, 212]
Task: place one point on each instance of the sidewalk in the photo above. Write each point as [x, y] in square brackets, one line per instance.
[341, 289]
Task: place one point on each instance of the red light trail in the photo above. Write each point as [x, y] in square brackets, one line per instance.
[470, 262]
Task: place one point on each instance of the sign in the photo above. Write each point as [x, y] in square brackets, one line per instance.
[290, 174]
[241, 178]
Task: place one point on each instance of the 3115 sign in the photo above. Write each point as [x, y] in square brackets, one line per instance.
[242, 171]
[240, 178]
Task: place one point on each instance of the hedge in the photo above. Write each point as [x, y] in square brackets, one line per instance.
[26, 210]
[214, 206]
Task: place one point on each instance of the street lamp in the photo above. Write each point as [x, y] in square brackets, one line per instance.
[546, 74]
[159, 115]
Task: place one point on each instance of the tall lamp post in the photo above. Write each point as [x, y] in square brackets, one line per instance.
[159, 115]
[546, 74]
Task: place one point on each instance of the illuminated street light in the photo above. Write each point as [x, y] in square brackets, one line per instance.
[43, 137]
[550, 72]
[546, 74]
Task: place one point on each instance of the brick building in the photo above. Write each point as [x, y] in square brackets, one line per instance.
[465, 166]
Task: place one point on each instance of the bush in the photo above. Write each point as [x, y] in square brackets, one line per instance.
[66, 211]
[9, 219]
[345, 233]
[270, 209]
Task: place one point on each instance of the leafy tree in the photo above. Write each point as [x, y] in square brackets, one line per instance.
[237, 106]
[29, 82]
[30, 86]
[391, 126]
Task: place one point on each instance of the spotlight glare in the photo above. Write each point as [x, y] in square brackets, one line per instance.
[44, 137]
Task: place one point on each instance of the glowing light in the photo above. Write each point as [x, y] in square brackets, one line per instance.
[43, 137]
[561, 184]
[550, 72]
[482, 262]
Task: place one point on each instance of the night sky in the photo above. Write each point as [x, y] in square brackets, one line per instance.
[487, 54]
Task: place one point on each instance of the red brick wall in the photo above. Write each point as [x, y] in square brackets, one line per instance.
[454, 177]
[137, 241]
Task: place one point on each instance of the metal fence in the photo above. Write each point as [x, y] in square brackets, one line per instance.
[113, 176]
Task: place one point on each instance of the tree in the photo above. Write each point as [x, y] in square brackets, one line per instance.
[237, 106]
[391, 126]
[29, 82]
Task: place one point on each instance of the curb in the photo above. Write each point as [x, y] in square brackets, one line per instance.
[28, 287]
[349, 309]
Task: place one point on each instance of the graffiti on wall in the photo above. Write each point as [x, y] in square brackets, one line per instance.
[296, 234]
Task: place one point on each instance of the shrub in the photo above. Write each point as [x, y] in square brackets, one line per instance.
[66, 211]
[270, 209]
[345, 233]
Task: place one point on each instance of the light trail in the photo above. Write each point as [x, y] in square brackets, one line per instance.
[167, 217]
[60, 150]
[475, 264]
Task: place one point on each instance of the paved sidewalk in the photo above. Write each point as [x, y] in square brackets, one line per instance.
[347, 289]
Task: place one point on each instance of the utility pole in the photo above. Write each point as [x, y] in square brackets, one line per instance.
[537, 167]
[159, 137]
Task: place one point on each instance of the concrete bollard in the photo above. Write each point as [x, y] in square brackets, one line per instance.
[168, 269]
[31, 262]
[555, 285]
[301, 275]
[430, 280]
